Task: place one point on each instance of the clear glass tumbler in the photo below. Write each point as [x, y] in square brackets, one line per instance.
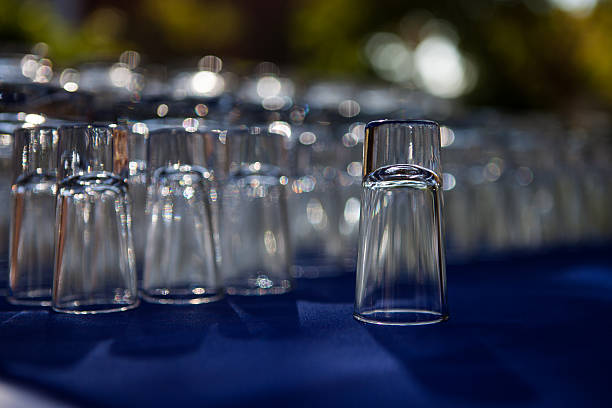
[94, 256]
[137, 182]
[6, 159]
[254, 226]
[33, 216]
[401, 276]
[181, 253]
[315, 203]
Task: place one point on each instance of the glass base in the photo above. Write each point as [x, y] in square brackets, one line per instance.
[242, 289]
[39, 297]
[400, 317]
[192, 296]
[78, 307]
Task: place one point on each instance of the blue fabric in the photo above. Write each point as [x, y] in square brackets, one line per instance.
[530, 332]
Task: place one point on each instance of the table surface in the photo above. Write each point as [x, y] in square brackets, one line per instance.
[526, 331]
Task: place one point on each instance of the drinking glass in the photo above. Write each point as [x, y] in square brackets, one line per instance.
[349, 151]
[137, 181]
[94, 256]
[6, 155]
[254, 228]
[401, 267]
[181, 261]
[9, 122]
[33, 215]
[315, 203]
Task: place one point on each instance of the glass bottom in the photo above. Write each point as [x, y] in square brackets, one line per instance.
[400, 317]
[242, 289]
[191, 296]
[39, 297]
[94, 307]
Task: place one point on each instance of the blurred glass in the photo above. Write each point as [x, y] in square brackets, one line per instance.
[254, 226]
[137, 181]
[6, 155]
[315, 201]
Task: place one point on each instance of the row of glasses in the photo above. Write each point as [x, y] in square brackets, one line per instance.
[525, 184]
[215, 217]
[71, 243]
[493, 167]
[80, 172]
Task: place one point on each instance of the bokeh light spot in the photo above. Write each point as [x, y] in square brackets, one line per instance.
[578, 8]
[349, 108]
[162, 110]
[440, 67]
[307, 138]
[280, 127]
[207, 83]
[447, 136]
[190, 124]
[268, 86]
[448, 181]
[131, 59]
[201, 109]
[210, 63]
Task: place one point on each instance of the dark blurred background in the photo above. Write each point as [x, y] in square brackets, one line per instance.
[515, 54]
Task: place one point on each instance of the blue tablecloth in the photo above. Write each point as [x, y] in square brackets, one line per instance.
[531, 331]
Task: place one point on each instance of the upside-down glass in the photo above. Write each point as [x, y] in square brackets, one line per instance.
[6, 155]
[314, 203]
[254, 226]
[137, 182]
[401, 266]
[94, 256]
[181, 255]
[33, 215]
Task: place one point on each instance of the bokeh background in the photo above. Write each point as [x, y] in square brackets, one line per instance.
[524, 86]
[516, 54]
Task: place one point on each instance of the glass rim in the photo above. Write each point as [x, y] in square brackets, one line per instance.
[29, 129]
[85, 125]
[181, 129]
[254, 130]
[381, 122]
